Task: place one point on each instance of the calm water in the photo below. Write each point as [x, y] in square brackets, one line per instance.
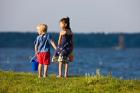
[122, 63]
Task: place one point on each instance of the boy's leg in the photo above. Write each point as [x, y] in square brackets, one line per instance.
[66, 70]
[45, 70]
[40, 70]
[60, 69]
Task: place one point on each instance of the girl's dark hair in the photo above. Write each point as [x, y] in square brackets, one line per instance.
[66, 21]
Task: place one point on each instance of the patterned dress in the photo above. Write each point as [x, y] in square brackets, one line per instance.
[64, 49]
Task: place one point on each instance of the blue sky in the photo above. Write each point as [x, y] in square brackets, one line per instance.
[86, 16]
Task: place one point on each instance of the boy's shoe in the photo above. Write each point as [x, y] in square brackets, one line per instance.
[39, 77]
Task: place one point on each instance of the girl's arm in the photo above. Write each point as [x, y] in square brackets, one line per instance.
[60, 36]
[53, 44]
[73, 40]
[59, 40]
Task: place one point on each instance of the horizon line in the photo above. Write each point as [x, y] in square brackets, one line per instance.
[74, 32]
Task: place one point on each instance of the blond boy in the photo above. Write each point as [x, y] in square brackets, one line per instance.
[42, 49]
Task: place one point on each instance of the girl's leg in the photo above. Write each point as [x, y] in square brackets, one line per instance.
[45, 70]
[39, 70]
[60, 69]
[66, 70]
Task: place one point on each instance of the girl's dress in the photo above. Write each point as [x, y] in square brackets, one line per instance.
[64, 49]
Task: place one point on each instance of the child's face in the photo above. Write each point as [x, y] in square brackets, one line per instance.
[61, 24]
[39, 30]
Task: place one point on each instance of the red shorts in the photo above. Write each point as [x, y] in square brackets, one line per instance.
[43, 58]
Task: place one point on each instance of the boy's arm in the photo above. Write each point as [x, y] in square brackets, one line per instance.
[37, 42]
[53, 44]
[36, 49]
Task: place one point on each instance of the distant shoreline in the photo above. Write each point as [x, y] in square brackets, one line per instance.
[89, 40]
[74, 32]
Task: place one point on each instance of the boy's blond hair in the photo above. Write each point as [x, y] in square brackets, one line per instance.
[43, 27]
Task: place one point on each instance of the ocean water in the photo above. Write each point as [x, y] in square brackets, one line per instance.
[93, 40]
[122, 63]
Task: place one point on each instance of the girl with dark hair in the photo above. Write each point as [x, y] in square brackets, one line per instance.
[65, 46]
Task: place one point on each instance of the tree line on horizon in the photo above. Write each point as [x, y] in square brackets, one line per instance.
[90, 40]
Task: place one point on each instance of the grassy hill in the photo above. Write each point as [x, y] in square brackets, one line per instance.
[13, 82]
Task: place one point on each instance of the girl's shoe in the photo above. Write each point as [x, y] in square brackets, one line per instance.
[45, 76]
[59, 76]
[66, 76]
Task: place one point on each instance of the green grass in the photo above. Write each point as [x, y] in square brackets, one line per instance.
[13, 82]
